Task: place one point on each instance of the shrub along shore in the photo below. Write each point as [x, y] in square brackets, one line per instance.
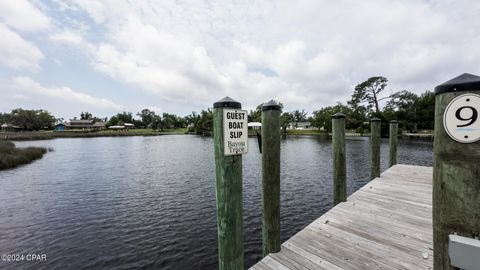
[11, 156]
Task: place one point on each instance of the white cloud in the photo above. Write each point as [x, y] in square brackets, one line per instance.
[16, 52]
[23, 16]
[306, 54]
[68, 37]
[311, 53]
[61, 101]
[158, 61]
[95, 9]
[155, 109]
[178, 68]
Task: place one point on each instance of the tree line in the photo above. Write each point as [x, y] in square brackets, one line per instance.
[29, 119]
[411, 110]
[43, 120]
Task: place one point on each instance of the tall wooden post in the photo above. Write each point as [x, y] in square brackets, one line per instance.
[339, 159]
[271, 177]
[393, 142]
[456, 172]
[375, 140]
[228, 171]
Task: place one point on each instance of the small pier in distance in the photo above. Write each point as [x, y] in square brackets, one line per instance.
[387, 224]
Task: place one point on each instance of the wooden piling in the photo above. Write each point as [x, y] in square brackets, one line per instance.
[339, 159]
[375, 140]
[228, 171]
[271, 177]
[393, 142]
[456, 174]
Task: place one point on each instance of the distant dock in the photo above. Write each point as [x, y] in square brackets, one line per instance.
[418, 136]
[387, 224]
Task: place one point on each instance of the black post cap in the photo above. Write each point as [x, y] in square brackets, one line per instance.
[376, 119]
[464, 82]
[227, 102]
[271, 105]
[394, 121]
[338, 115]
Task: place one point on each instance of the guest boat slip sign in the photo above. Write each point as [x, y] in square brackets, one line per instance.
[461, 118]
[235, 132]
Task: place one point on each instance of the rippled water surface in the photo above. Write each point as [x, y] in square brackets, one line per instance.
[149, 202]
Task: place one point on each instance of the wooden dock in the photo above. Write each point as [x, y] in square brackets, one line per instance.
[387, 224]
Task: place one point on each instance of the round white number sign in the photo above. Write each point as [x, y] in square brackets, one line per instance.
[461, 118]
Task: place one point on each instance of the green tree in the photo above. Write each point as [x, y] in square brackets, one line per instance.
[323, 117]
[285, 119]
[402, 106]
[168, 120]
[181, 122]
[5, 118]
[299, 116]
[47, 121]
[411, 110]
[192, 120]
[89, 116]
[86, 116]
[205, 123]
[32, 119]
[255, 115]
[173, 121]
[369, 91]
[426, 110]
[122, 118]
[156, 122]
[146, 117]
[358, 114]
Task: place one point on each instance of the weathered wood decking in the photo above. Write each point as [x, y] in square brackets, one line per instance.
[387, 224]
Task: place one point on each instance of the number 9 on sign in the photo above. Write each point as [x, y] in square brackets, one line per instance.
[461, 120]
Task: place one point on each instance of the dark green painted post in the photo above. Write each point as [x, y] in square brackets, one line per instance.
[271, 177]
[456, 171]
[339, 159]
[228, 171]
[393, 142]
[375, 140]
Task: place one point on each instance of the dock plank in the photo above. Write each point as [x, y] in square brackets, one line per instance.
[312, 257]
[387, 224]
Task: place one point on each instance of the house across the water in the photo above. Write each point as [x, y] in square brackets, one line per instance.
[80, 124]
[60, 127]
[125, 126]
[301, 125]
[99, 125]
[128, 125]
[11, 128]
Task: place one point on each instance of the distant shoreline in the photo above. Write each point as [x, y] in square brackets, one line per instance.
[49, 135]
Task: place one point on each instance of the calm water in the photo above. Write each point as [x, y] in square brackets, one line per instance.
[149, 202]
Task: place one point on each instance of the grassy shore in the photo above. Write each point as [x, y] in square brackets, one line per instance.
[305, 132]
[46, 135]
[11, 156]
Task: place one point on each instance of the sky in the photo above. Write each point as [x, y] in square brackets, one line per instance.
[180, 56]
